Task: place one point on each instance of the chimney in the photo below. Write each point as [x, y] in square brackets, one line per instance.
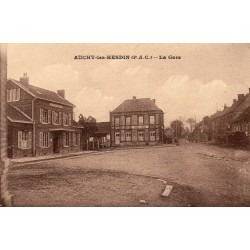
[24, 80]
[61, 93]
[134, 97]
[153, 101]
[225, 106]
[240, 96]
[234, 100]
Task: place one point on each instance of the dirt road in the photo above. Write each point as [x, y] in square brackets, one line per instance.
[202, 175]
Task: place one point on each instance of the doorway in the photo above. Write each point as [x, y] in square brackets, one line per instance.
[56, 143]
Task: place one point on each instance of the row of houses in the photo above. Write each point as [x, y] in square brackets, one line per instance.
[230, 125]
[41, 122]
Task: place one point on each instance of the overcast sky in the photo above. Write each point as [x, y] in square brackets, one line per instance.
[205, 78]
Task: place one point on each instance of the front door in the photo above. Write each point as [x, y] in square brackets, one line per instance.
[56, 143]
[117, 138]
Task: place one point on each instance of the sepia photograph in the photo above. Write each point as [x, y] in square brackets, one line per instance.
[125, 125]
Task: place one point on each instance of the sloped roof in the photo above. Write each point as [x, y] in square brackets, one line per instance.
[103, 127]
[234, 107]
[241, 109]
[244, 116]
[43, 94]
[16, 115]
[136, 105]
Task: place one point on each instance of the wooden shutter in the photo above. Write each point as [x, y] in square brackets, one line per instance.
[19, 139]
[8, 95]
[69, 119]
[49, 116]
[29, 139]
[60, 118]
[41, 115]
[64, 139]
[18, 94]
[78, 138]
[50, 139]
[53, 117]
[41, 139]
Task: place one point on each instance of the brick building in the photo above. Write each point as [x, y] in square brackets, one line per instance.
[137, 122]
[40, 121]
[231, 119]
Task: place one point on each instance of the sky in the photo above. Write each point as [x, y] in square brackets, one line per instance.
[205, 78]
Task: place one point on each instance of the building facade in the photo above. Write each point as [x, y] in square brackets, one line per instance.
[137, 122]
[40, 121]
[231, 119]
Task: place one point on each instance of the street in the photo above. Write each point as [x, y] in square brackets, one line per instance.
[201, 175]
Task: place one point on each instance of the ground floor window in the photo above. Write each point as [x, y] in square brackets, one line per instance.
[128, 136]
[140, 135]
[117, 137]
[67, 139]
[152, 135]
[24, 139]
[44, 139]
[76, 139]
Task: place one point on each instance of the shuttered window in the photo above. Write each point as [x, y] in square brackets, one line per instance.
[24, 140]
[44, 139]
[45, 116]
[13, 95]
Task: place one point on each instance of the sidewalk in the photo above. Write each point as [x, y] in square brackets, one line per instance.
[50, 157]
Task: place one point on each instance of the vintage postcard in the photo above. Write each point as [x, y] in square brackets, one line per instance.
[125, 125]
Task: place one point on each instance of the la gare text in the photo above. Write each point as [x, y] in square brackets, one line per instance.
[126, 57]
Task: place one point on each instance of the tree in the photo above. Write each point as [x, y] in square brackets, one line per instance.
[177, 127]
[89, 124]
[191, 122]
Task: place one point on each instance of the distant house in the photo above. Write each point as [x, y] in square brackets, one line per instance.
[103, 134]
[137, 122]
[232, 119]
[40, 121]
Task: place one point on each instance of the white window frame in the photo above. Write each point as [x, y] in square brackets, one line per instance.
[150, 121]
[13, 95]
[128, 138]
[24, 140]
[140, 136]
[126, 123]
[139, 118]
[44, 139]
[117, 119]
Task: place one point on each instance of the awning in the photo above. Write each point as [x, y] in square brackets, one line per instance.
[61, 129]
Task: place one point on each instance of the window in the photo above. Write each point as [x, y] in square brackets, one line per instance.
[152, 119]
[13, 95]
[117, 121]
[44, 139]
[45, 116]
[128, 120]
[140, 135]
[24, 140]
[76, 139]
[152, 135]
[60, 118]
[67, 140]
[140, 119]
[128, 136]
[65, 119]
[55, 117]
